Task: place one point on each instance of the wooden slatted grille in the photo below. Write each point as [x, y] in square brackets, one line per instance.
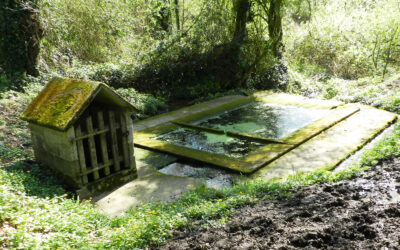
[102, 140]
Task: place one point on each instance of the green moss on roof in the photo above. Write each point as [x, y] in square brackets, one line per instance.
[59, 102]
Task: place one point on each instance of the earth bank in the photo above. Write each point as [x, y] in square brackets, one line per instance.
[362, 213]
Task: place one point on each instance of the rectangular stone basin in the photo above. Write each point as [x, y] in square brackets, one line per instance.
[243, 135]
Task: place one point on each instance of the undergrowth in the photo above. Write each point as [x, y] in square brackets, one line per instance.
[36, 212]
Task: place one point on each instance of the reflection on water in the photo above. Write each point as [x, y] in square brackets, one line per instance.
[263, 119]
[211, 177]
[256, 118]
[209, 142]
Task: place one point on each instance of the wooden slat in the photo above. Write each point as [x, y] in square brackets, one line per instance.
[101, 131]
[110, 163]
[81, 155]
[103, 143]
[125, 134]
[114, 141]
[132, 163]
[92, 147]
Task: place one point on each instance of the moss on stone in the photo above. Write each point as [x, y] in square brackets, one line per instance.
[313, 129]
[193, 126]
[176, 115]
[216, 110]
[58, 103]
[62, 100]
[295, 100]
[189, 153]
[153, 158]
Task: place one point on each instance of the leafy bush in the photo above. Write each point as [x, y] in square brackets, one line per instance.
[91, 30]
[348, 39]
[186, 58]
[146, 103]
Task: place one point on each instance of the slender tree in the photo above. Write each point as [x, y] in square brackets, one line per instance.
[275, 27]
[176, 8]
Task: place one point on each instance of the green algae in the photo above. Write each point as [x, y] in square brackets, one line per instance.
[216, 110]
[192, 112]
[210, 142]
[231, 132]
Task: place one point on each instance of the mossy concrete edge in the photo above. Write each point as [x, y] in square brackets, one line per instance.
[377, 131]
[335, 152]
[296, 100]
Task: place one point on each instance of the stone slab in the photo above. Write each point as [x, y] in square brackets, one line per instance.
[155, 159]
[297, 100]
[151, 186]
[331, 147]
[183, 112]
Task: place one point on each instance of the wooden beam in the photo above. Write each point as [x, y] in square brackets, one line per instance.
[110, 163]
[129, 126]
[81, 155]
[101, 131]
[103, 143]
[114, 140]
[92, 147]
[125, 134]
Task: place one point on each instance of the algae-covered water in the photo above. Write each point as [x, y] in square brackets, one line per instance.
[256, 118]
[263, 119]
[210, 142]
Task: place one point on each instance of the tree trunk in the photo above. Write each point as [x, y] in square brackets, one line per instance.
[164, 19]
[22, 32]
[275, 27]
[176, 7]
[242, 10]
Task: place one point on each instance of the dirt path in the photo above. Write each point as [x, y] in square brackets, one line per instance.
[362, 213]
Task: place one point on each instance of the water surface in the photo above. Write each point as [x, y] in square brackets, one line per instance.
[256, 118]
[210, 142]
[263, 119]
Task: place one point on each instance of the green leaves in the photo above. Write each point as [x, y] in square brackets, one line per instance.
[348, 39]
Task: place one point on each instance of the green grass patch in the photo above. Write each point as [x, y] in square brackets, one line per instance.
[37, 212]
[40, 213]
[387, 148]
[8, 154]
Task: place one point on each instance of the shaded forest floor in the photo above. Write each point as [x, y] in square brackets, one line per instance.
[361, 213]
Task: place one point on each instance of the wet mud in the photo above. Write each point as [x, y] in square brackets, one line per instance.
[361, 213]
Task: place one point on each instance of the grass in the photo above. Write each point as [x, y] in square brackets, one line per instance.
[36, 211]
[377, 92]
[39, 213]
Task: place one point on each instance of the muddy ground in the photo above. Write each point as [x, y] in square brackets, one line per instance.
[362, 213]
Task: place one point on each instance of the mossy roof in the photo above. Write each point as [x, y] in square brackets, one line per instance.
[63, 100]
